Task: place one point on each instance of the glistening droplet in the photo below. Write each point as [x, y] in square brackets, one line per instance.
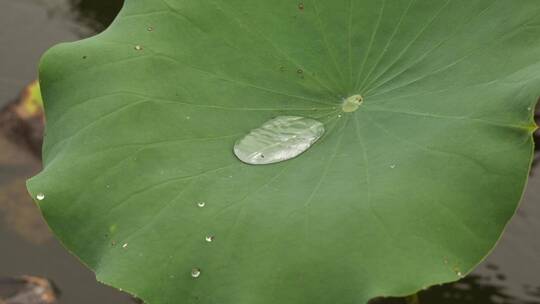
[278, 139]
[138, 47]
[210, 238]
[201, 204]
[40, 196]
[195, 272]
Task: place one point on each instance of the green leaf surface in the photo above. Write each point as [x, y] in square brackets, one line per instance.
[410, 188]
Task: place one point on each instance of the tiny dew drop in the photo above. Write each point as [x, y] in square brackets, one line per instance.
[138, 48]
[150, 29]
[392, 166]
[201, 204]
[301, 6]
[210, 238]
[195, 272]
[279, 139]
[125, 245]
[40, 196]
[458, 272]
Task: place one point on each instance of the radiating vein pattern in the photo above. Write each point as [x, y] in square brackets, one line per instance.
[292, 152]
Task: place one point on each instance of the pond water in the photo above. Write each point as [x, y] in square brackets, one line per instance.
[510, 275]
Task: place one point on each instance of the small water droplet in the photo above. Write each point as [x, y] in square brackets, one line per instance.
[339, 116]
[210, 238]
[278, 139]
[300, 71]
[301, 6]
[392, 166]
[125, 245]
[459, 274]
[529, 108]
[40, 196]
[201, 204]
[188, 117]
[138, 48]
[195, 272]
[150, 28]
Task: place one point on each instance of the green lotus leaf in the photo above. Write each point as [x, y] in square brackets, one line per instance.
[427, 107]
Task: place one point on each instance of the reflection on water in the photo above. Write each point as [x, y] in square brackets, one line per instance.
[96, 15]
[474, 289]
[509, 276]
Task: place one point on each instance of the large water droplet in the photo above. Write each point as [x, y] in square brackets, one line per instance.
[278, 139]
[40, 196]
[195, 272]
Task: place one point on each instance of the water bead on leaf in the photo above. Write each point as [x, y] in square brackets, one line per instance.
[278, 139]
[195, 272]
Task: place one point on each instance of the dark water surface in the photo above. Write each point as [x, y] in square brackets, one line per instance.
[510, 275]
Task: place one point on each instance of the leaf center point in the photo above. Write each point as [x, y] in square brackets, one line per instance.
[352, 103]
